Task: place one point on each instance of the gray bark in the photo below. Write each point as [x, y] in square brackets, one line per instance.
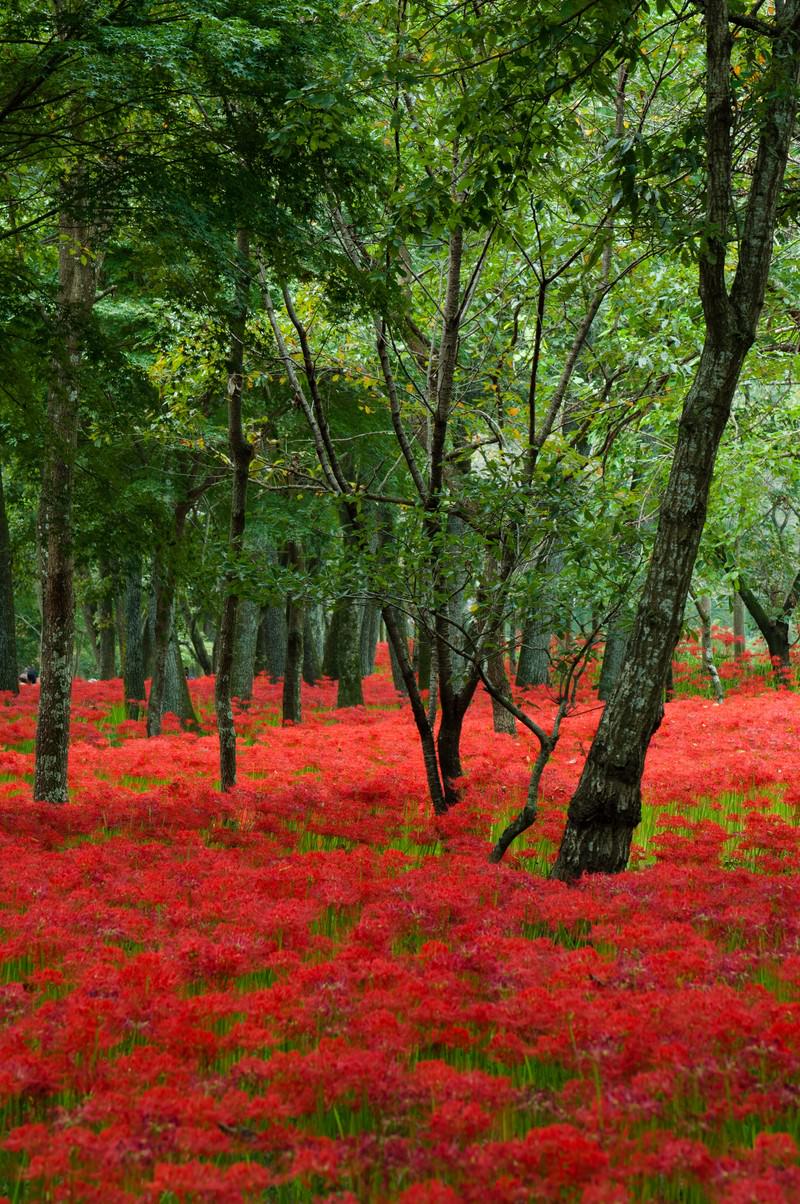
[8, 637]
[133, 673]
[245, 648]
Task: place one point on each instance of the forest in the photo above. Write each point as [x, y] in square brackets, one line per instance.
[399, 601]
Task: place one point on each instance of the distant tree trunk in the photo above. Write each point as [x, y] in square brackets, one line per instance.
[245, 651]
[165, 600]
[703, 607]
[330, 656]
[198, 642]
[739, 634]
[613, 660]
[422, 656]
[370, 623]
[271, 644]
[133, 677]
[9, 670]
[502, 719]
[149, 625]
[774, 627]
[177, 699]
[533, 665]
[90, 623]
[108, 665]
[402, 633]
[606, 807]
[313, 633]
[295, 613]
[76, 291]
[241, 453]
[348, 654]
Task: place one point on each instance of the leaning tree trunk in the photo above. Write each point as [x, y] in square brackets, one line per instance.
[177, 699]
[295, 613]
[8, 637]
[76, 291]
[133, 669]
[241, 453]
[606, 807]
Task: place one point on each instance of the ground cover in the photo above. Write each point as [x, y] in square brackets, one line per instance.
[310, 989]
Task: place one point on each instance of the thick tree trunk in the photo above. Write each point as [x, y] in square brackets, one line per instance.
[241, 453]
[295, 613]
[330, 656]
[774, 627]
[272, 641]
[423, 645]
[133, 675]
[76, 290]
[9, 670]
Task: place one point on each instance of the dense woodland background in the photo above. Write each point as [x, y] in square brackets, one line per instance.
[324, 325]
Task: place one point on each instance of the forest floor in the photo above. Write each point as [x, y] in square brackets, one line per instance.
[310, 989]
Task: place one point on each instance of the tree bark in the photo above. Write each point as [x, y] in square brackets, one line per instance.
[370, 622]
[774, 629]
[272, 641]
[607, 804]
[313, 640]
[133, 674]
[105, 617]
[295, 614]
[241, 453]
[245, 648]
[76, 292]
[739, 634]
[613, 660]
[533, 666]
[9, 670]
[502, 719]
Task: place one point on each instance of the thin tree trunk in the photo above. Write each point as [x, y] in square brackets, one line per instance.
[399, 642]
[162, 628]
[370, 623]
[241, 453]
[198, 642]
[703, 607]
[133, 678]
[295, 613]
[76, 291]
[739, 634]
[107, 633]
[397, 672]
[9, 670]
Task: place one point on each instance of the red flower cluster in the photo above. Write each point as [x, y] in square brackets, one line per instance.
[310, 989]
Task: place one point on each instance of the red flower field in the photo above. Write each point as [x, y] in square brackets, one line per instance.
[310, 989]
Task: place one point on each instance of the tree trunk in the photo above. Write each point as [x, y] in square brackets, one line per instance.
[245, 649]
[422, 656]
[295, 613]
[739, 634]
[607, 804]
[177, 699]
[162, 628]
[241, 453]
[370, 623]
[107, 633]
[348, 654]
[76, 291]
[397, 673]
[502, 719]
[533, 666]
[330, 656]
[313, 642]
[613, 660]
[133, 676]
[775, 630]
[90, 623]
[703, 607]
[198, 643]
[9, 670]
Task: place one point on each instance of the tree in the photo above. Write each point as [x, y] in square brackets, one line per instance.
[606, 806]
